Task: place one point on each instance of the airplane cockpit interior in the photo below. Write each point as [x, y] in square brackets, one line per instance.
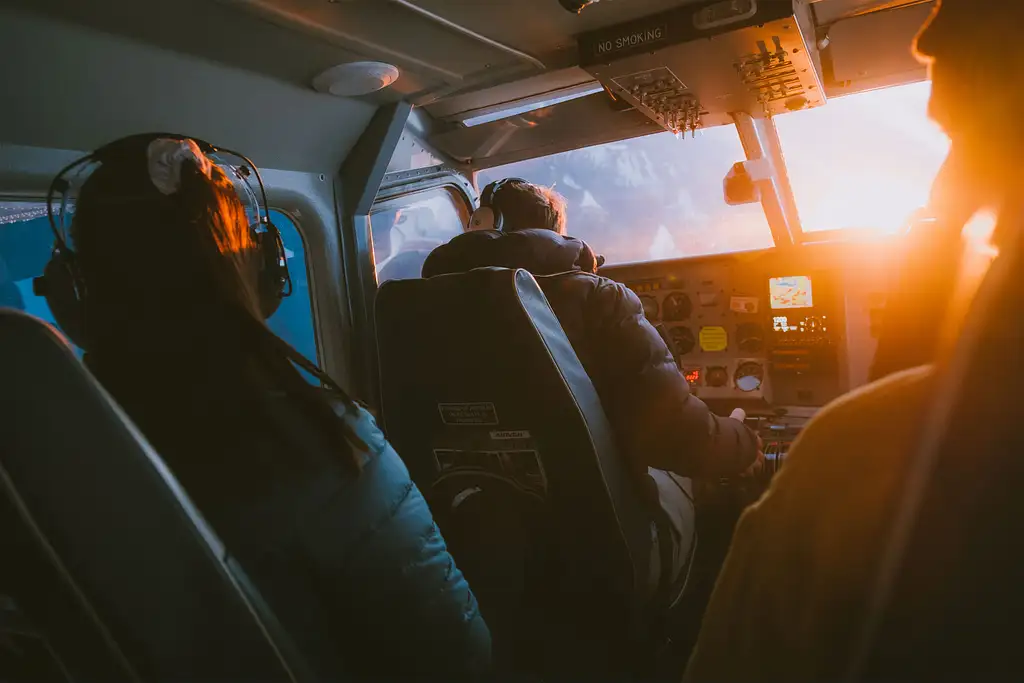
[749, 172]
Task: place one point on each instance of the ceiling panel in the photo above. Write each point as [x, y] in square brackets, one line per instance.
[287, 42]
[829, 11]
[541, 26]
[220, 32]
[73, 87]
[510, 92]
[875, 50]
[587, 121]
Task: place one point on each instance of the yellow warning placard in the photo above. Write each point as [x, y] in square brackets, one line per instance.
[713, 338]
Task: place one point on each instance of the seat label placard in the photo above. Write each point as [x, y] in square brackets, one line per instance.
[510, 434]
[478, 413]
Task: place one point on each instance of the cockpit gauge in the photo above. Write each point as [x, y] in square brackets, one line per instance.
[750, 337]
[676, 307]
[749, 376]
[683, 339]
[650, 306]
[717, 376]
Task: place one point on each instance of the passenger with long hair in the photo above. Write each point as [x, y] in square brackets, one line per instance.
[299, 483]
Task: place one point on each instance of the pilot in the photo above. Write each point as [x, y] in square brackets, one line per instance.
[302, 486]
[801, 568]
[657, 422]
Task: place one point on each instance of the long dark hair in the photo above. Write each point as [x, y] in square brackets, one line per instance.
[176, 330]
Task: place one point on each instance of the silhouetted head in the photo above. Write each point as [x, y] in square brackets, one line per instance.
[977, 67]
[150, 257]
[174, 312]
[525, 206]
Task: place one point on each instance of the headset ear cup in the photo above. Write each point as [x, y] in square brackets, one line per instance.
[273, 275]
[63, 290]
[484, 218]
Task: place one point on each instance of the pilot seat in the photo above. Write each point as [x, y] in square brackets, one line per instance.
[503, 431]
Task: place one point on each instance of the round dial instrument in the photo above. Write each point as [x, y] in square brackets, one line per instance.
[683, 339]
[717, 376]
[677, 306]
[749, 337]
[749, 376]
[650, 306]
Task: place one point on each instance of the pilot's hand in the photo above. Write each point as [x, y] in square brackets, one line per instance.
[757, 466]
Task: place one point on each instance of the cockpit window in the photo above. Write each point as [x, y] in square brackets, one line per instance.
[26, 241]
[406, 229]
[650, 198]
[863, 161]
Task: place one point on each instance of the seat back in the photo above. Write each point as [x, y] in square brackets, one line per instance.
[107, 571]
[500, 426]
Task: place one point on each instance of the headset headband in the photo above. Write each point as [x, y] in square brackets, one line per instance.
[125, 146]
[488, 216]
[489, 193]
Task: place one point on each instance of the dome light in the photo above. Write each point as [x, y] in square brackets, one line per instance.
[355, 78]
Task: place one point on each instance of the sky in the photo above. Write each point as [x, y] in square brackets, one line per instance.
[864, 161]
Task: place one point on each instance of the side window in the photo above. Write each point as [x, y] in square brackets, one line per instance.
[25, 245]
[26, 241]
[293, 320]
[406, 229]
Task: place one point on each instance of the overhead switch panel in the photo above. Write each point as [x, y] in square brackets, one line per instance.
[695, 65]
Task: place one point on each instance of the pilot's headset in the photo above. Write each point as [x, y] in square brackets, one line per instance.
[62, 283]
[488, 216]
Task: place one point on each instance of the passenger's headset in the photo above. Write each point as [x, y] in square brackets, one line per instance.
[62, 283]
[488, 216]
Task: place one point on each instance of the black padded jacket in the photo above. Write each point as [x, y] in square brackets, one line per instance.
[657, 422]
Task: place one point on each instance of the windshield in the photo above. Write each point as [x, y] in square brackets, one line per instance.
[864, 160]
[649, 198]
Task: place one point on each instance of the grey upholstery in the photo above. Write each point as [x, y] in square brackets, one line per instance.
[107, 571]
[500, 426]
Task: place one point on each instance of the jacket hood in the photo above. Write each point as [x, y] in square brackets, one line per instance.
[542, 252]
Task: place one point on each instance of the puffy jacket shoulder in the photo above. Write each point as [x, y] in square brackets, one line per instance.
[658, 422]
[380, 552]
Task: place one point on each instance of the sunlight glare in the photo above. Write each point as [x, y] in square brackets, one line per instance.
[863, 161]
[978, 231]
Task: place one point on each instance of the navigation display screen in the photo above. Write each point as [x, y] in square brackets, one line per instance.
[790, 292]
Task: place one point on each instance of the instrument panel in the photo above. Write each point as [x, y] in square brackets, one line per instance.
[715, 327]
[776, 332]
